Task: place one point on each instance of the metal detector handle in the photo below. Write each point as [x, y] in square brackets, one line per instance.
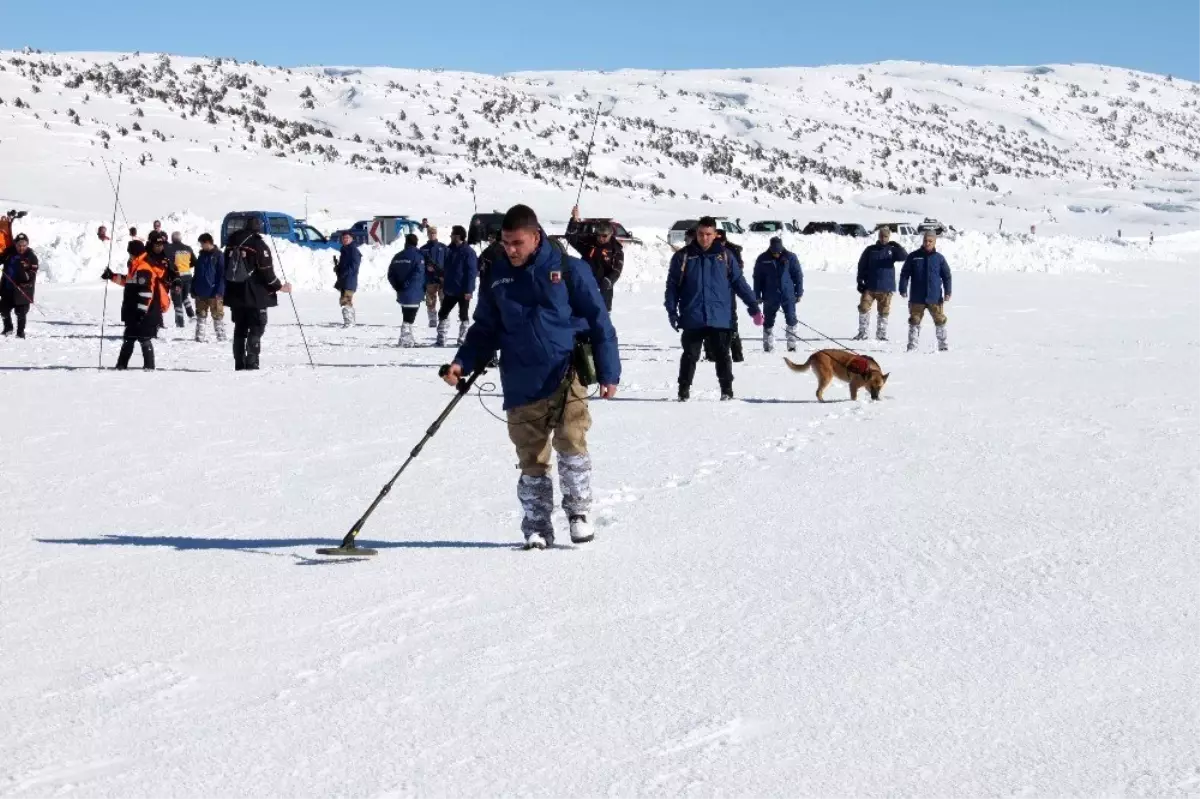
[464, 383]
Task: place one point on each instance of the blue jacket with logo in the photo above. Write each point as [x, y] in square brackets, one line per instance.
[877, 266]
[778, 281]
[698, 288]
[461, 270]
[406, 274]
[929, 273]
[435, 260]
[347, 268]
[526, 313]
[208, 276]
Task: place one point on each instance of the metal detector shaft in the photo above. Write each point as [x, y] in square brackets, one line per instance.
[464, 385]
[588, 159]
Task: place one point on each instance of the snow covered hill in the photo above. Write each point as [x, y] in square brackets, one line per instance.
[1073, 149]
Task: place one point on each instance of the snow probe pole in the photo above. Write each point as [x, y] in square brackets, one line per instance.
[23, 294]
[111, 241]
[348, 546]
[588, 159]
[303, 337]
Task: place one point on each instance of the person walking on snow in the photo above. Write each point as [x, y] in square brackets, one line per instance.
[435, 267]
[601, 251]
[146, 298]
[248, 300]
[778, 285]
[929, 274]
[528, 314]
[406, 274]
[700, 303]
[877, 282]
[181, 259]
[345, 266]
[18, 276]
[208, 286]
[735, 334]
[462, 271]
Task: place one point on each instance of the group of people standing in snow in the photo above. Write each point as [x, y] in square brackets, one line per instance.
[431, 273]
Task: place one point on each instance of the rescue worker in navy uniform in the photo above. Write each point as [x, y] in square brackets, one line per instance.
[876, 282]
[735, 334]
[601, 251]
[248, 302]
[18, 276]
[779, 285]
[435, 266]
[528, 313]
[146, 297]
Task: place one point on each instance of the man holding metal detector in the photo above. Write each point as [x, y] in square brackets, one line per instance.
[528, 313]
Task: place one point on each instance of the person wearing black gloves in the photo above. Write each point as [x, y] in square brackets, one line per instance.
[146, 298]
[18, 274]
[601, 251]
[250, 289]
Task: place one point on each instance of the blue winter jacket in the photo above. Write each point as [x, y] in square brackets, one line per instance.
[778, 281]
[929, 274]
[526, 313]
[461, 270]
[406, 273]
[435, 260]
[347, 268]
[208, 275]
[698, 288]
[877, 266]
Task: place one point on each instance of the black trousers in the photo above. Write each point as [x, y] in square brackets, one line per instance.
[716, 342]
[181, 298]
[448, 304]
[607, 294]
[127, 341]
[7, 309]
[410, 313]
[249, 324]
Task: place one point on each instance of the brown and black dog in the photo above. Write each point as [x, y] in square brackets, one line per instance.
[857, 370]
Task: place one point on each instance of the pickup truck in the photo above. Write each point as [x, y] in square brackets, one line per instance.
[279, 225]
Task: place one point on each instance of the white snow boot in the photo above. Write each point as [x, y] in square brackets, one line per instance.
[575, 480]
[864, 319]
[407, 339]
[941, 338]
[433, 320]
[537, 500]
[347, 316]
[914, 333]
[219, 325]
[201, 329]
[792, 337]
[881, 328]
[581, 530]
[768, 339]
[443, 328]
[462, 332]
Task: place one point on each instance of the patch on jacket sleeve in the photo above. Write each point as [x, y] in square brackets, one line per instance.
[556, 277]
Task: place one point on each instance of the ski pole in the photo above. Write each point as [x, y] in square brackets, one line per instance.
[588, 159]
[111, 241]
[111, 186]
[299, 324]
[348, 546]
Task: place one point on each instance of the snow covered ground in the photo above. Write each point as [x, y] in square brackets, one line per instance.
[982, 585]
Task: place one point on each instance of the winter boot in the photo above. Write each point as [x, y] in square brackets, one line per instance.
[219, 325]
[125, 354]
[8, 325]
[433, 320]
[735, 348]
[575, 480]
[462, 332]
[941, 338]
[726, 394]
[189, 309]
[179, 315]
[792, 338]
[768, 339]
[537, 500]
[914, 333]
[881, 328]
[20, 325]
[407, 339]
[443, 327]
[147, 354]
[685, 393]
[201, 329]
[863, 321]
[347, 316]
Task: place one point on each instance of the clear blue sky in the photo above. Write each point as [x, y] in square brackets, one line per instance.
[1153, 35]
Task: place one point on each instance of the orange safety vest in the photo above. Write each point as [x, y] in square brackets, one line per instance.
[157, 285]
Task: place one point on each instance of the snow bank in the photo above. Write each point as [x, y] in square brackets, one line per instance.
[70, 252]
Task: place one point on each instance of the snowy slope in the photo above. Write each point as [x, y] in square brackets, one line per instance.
[1075, 149]
[982, 585]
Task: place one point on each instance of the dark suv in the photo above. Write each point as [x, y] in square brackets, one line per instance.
[484, 225]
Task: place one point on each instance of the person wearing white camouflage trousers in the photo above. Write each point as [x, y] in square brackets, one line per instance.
[877, 282]
[929, 274]
[458, 282]
[406, 274]
[208, 287]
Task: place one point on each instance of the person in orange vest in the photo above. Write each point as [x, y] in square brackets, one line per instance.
[146, 298]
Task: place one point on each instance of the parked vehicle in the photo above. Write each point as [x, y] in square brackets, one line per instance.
[587, 228]
[929, 223]
[770, 226]
[391, 228]
[279, 225]
[898, 228]
[358, 231]
[677, 235]
[482, 226]
[812, 228]
[853, 229]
